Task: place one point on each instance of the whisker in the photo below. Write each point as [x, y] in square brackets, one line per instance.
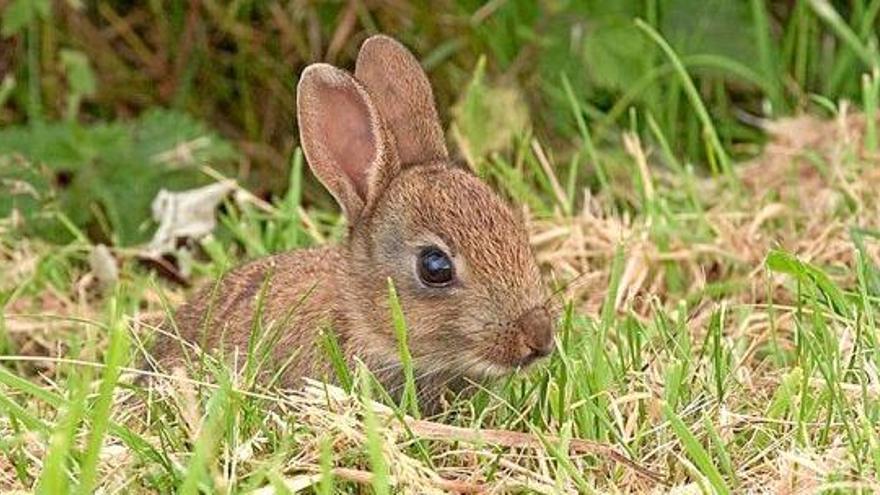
[566, 286]
[385, 368]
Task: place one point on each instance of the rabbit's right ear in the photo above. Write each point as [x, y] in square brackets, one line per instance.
[404, 97]
[343, 138]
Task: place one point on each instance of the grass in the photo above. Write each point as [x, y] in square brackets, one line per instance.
[719, 333]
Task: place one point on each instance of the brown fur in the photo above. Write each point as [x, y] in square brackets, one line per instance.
[376, 144]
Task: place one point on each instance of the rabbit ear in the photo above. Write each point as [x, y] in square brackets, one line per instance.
[403, 95]
[342, 136]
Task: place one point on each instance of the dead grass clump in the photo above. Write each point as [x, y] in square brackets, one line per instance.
[805, 194]
[329, 414]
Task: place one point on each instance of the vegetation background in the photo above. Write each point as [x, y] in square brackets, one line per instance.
[701, 182]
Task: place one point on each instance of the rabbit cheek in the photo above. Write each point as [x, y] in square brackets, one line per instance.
[499, 350]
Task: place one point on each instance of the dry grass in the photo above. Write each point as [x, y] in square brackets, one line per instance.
[787, 203]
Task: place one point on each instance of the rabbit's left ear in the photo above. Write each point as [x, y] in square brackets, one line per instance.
[402, 94]
[343, 138]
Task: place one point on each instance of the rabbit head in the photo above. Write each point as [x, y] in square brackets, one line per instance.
[458, 256]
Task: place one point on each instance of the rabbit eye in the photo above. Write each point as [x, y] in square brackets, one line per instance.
[435, 268]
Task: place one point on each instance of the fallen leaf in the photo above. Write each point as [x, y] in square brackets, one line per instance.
[185, 215]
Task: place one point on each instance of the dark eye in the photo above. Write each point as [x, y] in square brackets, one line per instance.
[435, 267]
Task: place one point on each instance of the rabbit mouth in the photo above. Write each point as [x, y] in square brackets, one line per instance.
[490, 369]
[497, 367]
[527, 360]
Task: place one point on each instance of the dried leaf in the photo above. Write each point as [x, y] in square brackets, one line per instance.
[185, 215]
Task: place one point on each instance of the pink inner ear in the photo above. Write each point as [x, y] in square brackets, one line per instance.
[348, 135]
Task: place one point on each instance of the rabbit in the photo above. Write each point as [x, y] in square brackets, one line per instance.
[459, 258]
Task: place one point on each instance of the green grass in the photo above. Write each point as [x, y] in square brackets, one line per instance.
[718, 329]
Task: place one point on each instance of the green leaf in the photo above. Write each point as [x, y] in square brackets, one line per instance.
[79, 73]
[42, 7]
[615, 51]
[718, 27]
[488, 117]
[20, 13]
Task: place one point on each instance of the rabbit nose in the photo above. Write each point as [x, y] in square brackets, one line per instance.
[537, 331]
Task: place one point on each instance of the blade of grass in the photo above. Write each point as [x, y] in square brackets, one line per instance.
[811, 277]
[767, 53]
[695, 451]
[698, 61]
[380, 482]
[720, 450]
[54, 476]
[408, 401]
[709, 131]
[871, 99]
[325, 486]
[586, 139]
[686, 175]
[117, 353]
[846, 62]
[719, 363]
[825, 11]
[14, 410]
[221, 407]
[34, 101]
[333, 351]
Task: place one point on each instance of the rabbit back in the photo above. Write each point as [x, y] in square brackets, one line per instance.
[282, 302]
